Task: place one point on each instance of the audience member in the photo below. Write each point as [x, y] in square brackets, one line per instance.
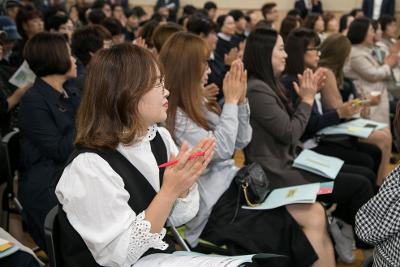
[29, 22]
[375, 9]
[289, 24]
[10, 8]
[315, 22]
[240, 23]
[331, 24]
[47, 123]
[168, 7]
[110, 152]
[344, 23]
[189, 120]
[60, 24]
[376, 221]
[270, 13]
[276, 132]
[308, 6]
[85, 42]
[115, 28]
[162, 33]
[211, 8]
[103, 5]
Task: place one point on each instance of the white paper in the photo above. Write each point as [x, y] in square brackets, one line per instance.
[22, 76]
[184, 258]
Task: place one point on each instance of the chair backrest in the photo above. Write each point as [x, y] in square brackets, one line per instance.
[51, 230]
[10, 150]
[368, 262]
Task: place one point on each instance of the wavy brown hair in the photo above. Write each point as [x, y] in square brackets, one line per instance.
[184, 57]
[334, 52]
[116, 80]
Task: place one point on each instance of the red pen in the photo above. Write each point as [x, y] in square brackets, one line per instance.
[172, 162]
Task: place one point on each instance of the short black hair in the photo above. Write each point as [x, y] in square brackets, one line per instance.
[199, 24]
[210, 5]
[358, 30]
[113, 26]
[55, 22]
[189, 9]
[100, 4]
[385, 20]
[96, 16]
[294, 12]
[236, 14]
[343, 22]
[266, 8]
[354, 11]
[48, 54]
[140, 12]
[88, 39]
[296, 46]
[25, 14]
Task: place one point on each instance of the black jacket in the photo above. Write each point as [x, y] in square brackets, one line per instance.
[387, 7]
[47, 124]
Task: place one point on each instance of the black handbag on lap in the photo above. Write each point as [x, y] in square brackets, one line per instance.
[255, 185]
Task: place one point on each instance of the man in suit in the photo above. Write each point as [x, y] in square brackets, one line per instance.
[376, 8]
[308, 6]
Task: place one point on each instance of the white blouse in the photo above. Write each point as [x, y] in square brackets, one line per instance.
[96, 203]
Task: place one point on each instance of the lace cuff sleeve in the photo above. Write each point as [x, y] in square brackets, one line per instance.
[141, 239]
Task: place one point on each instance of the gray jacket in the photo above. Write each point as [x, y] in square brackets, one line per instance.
[276, 134]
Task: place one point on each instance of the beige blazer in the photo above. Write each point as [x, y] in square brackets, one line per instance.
[369, 76]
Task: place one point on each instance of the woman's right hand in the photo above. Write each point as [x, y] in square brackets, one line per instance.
[179, 177]
[233, 86]
[308, 85]
[391, 60]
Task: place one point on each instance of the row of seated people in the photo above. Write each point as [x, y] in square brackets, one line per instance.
[201, 194]
[96, 198]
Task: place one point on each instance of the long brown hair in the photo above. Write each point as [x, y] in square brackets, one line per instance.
[116, 80]
[184, 57]
[334, 52]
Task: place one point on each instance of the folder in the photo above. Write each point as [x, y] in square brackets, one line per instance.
[358, 128]
[325, 166]
[306, 193]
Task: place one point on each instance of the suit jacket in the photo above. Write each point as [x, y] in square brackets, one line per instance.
[276, 135]
[301, 6]
[369, 76]
[387, 8]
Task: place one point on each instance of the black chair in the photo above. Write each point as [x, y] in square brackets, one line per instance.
[9, 150]
[51, 230]
[368, 262]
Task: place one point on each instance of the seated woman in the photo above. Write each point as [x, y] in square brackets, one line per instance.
[47, 122]
[367, 74]
[334, 53]
[115, 199]
[377, 222]
[190, 119]
[278, 125]
[328, 109]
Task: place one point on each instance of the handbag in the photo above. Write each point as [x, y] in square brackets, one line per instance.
[255, 185]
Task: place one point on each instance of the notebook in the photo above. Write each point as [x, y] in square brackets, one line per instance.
[325, 166]
[358, 128]
[306, 193]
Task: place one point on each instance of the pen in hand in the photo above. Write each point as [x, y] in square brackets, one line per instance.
[172, 162]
